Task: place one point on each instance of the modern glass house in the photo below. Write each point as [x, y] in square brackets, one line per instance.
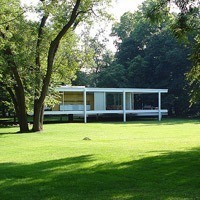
[85, 101]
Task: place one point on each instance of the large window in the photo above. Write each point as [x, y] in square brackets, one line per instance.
[114, 101]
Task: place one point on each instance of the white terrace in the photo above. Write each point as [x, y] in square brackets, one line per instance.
[80, 100]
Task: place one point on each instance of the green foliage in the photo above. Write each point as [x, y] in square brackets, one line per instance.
[156, 10]
[96, 60]
[37, 54]
[124, 28]
[194, 75]
[112, 76]
[149, 56]
[137, 72]
[6, 106]
[187, 17]
[186, 24]
[82, 79]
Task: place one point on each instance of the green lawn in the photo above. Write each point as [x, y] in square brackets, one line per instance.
[134, 160]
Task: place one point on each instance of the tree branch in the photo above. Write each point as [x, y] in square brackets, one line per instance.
[53, 49]
[12, 19]
[69, 24]
[40, 33]
[39, 40]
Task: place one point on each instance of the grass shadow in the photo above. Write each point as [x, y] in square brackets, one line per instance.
[155, 122]
[8, 130]
[8, 133]
[173, 175]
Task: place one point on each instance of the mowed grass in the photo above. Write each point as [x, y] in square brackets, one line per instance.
[134, 160]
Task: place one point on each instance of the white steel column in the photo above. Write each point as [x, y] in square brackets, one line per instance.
[159, 107]
[85, 105]
[124, 106]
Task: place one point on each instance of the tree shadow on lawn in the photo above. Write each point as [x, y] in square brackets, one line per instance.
[15, 132]
[9, 133]
[174, 175]
[150, 122]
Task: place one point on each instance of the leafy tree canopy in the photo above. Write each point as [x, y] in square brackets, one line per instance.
[186, 24]
[149, 56]
[35, 56]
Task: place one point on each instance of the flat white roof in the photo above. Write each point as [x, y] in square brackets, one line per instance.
[88, 89]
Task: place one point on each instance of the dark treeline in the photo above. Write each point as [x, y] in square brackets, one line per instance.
[148, 56]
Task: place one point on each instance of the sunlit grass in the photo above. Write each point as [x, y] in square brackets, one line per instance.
[134, 160]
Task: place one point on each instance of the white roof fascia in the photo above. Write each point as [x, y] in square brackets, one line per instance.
[70, 89]
[133, 90]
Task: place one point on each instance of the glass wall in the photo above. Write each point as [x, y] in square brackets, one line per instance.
[114, 101]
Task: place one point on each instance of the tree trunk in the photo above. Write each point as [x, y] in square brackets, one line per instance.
[23, 122]
[18, 95]
[22, 116]
[20, 108]
[39, 100]
[37, 117]
[42, 117]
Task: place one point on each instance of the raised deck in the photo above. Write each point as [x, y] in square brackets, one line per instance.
[94, 112]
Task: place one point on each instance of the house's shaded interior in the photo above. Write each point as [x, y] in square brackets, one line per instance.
[105, 101]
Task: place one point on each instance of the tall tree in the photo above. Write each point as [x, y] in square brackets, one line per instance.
[13, 28]
[149, 56]
[58, 21]
[186, 24]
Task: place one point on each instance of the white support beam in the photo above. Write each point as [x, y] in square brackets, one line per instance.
[124, 106]
[159, 107]
[85, 105]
